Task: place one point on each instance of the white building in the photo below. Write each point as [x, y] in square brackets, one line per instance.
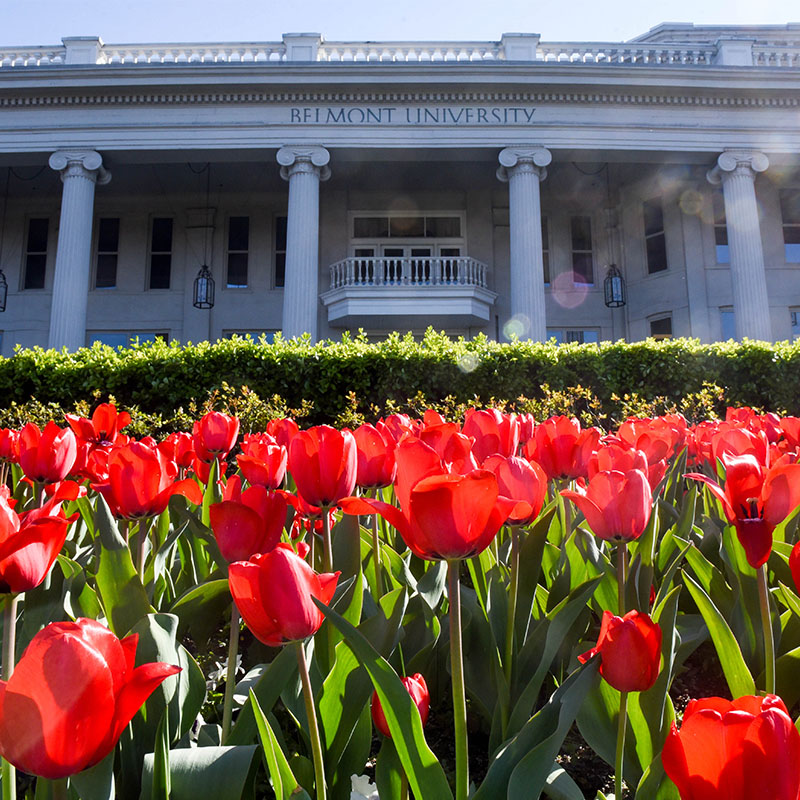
[472, 186]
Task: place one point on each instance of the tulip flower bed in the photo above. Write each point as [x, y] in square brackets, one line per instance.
[422, 608]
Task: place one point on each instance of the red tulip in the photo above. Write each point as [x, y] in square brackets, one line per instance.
[73, 692]
[282, 430]
[562, 448]
[444, 515]
[9, 445]
[452, 446]
[323, 463]
[273, 593]
[630, 651]
[755, 500]
[522, 481]
[375, 449]
[29, 543]
[47, 456]
[493, 432]
[247, 522]
[102, 429]
[179, 447]
[401, 424]
[263, 460]
[616, 505]
[748, 749]
[141, 480]
[794, 565]
[417, 688]
[215, 435]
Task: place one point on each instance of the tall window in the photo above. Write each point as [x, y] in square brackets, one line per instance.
[727, 323]
[794, 315]
[546, 250]
[567, 336]
[661, 328]
[655, 240]
[582, 265]
[105, 276]
[721, 230]
[790, 212]
[238, 247]
[35, 253]
[160, 252]
[280, 251]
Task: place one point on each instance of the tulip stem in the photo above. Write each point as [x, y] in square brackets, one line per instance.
[376, 554]
[457, 676]
[58, 789]
[622, 724]
[622, 574]
[766, 624]
[512, 601]
[313, 728]
[230, 677]
[327, 554]
[9, 772]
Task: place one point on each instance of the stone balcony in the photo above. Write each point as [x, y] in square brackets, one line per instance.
[447, 292]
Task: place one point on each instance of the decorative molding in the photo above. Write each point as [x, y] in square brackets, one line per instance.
[277, 98]
[304, 158]
[748, 162]
[81, 163]
[524, 158]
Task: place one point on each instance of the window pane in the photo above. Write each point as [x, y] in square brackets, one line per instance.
[795, 315]
[546, 265]
[160, 264]
[237, 270]
[35, 265]
[728, 324]
[721, 234]
[371, 227]
[443, 227]
[718, 203]
[723, 254]
[280, 269]
[790, 207]
[106, 275]
[238, 233]
[791, 234]
[661, 327]
[161, 240]
[581, 233]
[792, 253]
[656, 253]
[582, 268]
[280, 232]
[37, 235]
[555, 334]
[407, 226]
[653, 217]
[108, 236]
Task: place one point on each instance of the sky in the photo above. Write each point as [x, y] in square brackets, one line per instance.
[45, 22]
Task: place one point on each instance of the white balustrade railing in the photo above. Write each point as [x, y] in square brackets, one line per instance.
[409, 51]
[666, 54]
[616, 53]
[411, 271]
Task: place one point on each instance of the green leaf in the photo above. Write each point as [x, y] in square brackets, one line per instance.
[162, 783]
[284, 784]
[199, 610]
[210, 773]
[121, 592]
[522, 767]
[738, 676]
[559, 785]
[425, 775]
[389, 772]
[96, 783]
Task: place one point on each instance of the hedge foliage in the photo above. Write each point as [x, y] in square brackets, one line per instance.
[349, 380]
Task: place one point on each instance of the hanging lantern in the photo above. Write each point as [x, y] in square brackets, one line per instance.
[614, 288]
[203, 289]
[3, 291]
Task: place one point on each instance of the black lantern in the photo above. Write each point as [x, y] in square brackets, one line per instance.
[614, 288]
[3, 291]
[203, 289]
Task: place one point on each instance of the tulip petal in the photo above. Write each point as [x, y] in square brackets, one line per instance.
[771, 753]
[245, 586]
[27, 556]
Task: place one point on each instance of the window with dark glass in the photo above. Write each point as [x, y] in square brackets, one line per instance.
[722, 250]
[36, 253]
[661, 328]
[655, 240]
[545, 250]
[582, 263]
[790, 213]
[238, 247]
[105, 276]
[794, 317]
[405, 226]
[280, 251]
[160, 252]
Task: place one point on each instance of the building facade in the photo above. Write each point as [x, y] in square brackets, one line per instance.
[472, 186]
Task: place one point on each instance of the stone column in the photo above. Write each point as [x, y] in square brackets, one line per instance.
[523, 168]
[80, 171]
[304, 167]
[736, 170]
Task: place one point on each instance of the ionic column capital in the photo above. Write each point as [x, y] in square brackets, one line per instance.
[737, 162]
[522, 160]
[307, 159]
[80, 163]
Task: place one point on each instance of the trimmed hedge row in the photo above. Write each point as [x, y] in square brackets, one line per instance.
[353, 377]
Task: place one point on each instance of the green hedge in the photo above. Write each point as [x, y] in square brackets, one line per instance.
[353, 378]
